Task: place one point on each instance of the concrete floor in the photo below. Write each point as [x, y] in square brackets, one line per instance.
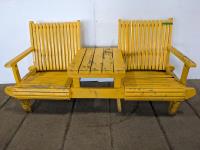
[88, 124]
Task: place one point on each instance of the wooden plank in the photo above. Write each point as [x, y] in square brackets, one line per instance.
[97, 92]
[48, 46]
[182, 130]
[75, 65]
[136, 128]
[108, 61]
[63, 47]
[43, 53]
[97, 61]
[119, 65]
[87, 61]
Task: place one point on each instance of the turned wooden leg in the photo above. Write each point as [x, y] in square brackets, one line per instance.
[119, 105]
[173, 107]
[26, 105]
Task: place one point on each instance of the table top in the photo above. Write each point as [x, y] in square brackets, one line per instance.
[97, 62]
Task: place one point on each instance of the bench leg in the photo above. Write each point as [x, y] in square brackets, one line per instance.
[173, 107]
[119, 105]
[26, 105]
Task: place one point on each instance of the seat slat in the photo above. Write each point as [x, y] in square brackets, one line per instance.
[87, 61]
[107, 60]
[118, 61]
[97, 61]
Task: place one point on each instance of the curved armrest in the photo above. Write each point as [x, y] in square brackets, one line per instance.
[13, 63]
[19, 57]
[187, 64]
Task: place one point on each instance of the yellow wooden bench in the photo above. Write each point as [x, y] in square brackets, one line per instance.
[59, 62]
[146, 47]
[54, 46]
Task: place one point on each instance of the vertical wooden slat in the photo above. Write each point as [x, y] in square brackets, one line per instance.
[69, 43]
[158, 45]
[38, 47]
[48, 46]
[132, 50]
[123, 36]
[52, 47]
[142, 43]
[146, 45]
[55, 47]
[43, 51]
[75, 40]
[78, 35]
[127, 45]
[60, 54]
[32, 35]
[169, 41]
[119, 35]
[66, 44]
[72, 40]
[162, 59]
[63, 49]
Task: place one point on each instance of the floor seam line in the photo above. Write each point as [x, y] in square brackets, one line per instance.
[17, 129]
[193, 109]
[6, 101]
[161, 127]
[68, 124]
[110, 125]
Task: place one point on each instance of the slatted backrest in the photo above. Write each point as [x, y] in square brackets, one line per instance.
[145, 43]
[55, 44]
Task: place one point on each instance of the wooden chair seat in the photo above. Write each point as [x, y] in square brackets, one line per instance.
[153, 85]
[43, 85]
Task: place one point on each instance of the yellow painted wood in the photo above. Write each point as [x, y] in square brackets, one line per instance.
[26, 105]
[97, 92]
[59, 61]
[16, 74]
[143, 45]
[118, 61]
[55, 44]
[97, 61]
[173, 107]
[44, 84]
[108, 60]
[147, 85]
[76, 82]
[119, 105]
[188, 62]
[15, 60]
[76, 63]
[87, 61]
[117, 82]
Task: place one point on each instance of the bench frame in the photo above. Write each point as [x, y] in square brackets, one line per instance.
[105, 92]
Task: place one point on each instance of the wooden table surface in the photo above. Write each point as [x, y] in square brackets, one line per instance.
[97, 62]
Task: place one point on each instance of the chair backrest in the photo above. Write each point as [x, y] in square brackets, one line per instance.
[145, 43]
[55, 44]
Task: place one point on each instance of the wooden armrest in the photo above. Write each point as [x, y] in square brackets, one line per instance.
[15, 60]
[188, 62]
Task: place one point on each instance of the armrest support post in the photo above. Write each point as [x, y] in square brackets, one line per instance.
[16, 73]
[184, 74]
[188, 63]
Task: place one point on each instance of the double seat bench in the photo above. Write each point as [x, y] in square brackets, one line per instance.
[139, 66]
